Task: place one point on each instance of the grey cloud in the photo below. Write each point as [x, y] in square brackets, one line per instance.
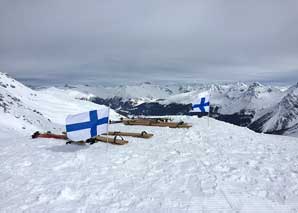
[149, 40]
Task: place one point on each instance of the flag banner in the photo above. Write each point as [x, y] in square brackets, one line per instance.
[87, 124]
[202, 103]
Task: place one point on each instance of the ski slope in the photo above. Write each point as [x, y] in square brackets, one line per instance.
[221, 168]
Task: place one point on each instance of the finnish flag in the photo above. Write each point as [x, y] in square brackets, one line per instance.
[202, 103]
[87, 124]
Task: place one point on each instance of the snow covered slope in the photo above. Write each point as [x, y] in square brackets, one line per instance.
[223, 168]
[27, 110]
[282, 116]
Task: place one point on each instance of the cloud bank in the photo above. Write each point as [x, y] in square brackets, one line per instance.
[100, 40]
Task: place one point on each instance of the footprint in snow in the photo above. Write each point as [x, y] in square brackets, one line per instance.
[69, 194]
[25, 164]
[209, 185]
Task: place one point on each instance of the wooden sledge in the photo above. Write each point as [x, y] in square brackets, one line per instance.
[114, 140]
[143, 134]
[149, 122]
[165, 119]
[48, 135]
[141, 118]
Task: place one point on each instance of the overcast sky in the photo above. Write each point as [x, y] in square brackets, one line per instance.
[143, 40]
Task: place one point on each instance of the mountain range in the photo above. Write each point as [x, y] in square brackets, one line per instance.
[262, 108]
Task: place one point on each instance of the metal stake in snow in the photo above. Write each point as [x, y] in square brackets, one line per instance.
[109, 122]
[209, 107]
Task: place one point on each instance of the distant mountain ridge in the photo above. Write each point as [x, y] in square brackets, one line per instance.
[262, 108]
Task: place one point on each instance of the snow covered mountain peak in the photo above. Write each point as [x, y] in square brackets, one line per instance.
[17, 112]
[9, 84]
[282, 116]
[215, 88]
[256, 84]
[23, 109]
[255, 89]
[293, 89]
[289, 103]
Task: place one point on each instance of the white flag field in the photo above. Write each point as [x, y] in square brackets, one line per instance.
[87, 124]
[201, 104]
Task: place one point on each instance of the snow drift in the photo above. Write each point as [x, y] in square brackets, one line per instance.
[221, 168]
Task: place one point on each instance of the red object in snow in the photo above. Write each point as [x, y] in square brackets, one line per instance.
[48, 135]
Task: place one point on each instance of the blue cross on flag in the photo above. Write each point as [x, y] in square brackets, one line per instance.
[87, 124]
[202, 103]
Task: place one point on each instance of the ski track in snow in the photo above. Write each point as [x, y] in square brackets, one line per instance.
[221, 168]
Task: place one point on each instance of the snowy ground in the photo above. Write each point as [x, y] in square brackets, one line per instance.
[220, 168]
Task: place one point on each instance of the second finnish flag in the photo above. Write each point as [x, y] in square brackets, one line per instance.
[201, 104]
